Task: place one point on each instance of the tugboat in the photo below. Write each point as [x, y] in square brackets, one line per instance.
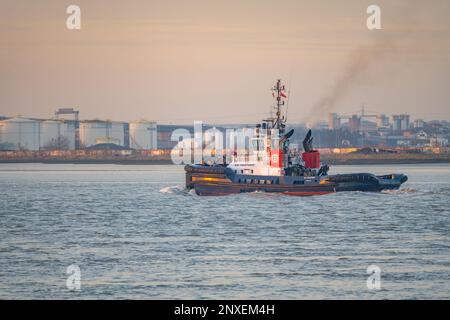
[273, 167]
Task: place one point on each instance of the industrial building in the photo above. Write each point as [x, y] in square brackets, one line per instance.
[400, 122]
[360, 123]
[164, 135]
[357, 130]
[334, 121]
[383, 121]
[381, 130]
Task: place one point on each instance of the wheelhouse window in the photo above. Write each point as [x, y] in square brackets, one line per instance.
[258, 144]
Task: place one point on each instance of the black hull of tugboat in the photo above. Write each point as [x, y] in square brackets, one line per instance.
[367, 182]
[215, 181]
[222, 189]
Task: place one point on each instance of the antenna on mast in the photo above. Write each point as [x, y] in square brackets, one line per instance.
[279, 94]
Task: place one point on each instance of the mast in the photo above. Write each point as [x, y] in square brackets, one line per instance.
[278, 93]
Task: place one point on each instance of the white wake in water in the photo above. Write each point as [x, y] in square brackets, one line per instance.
[400, 191]
[178, 189]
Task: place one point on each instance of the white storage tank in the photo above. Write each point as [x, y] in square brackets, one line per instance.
[97, 131]
[20, 134]
[143, 135]
[58, 134]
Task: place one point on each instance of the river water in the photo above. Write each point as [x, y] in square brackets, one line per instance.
[135, 233]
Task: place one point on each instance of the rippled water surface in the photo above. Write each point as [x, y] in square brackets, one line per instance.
[135, 233]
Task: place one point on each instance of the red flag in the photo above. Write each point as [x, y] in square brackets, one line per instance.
[283, 94]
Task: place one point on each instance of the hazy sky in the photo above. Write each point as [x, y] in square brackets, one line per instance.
[215, 60]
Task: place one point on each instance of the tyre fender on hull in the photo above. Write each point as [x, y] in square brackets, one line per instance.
[194, 168]
[355, 177]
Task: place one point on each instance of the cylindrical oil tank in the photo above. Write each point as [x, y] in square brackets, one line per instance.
[20, 134]
[143, 135]
[97, 131]
[58, 134]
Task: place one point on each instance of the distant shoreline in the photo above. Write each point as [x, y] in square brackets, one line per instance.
[332, 159]
[396, 158]
[88, 161]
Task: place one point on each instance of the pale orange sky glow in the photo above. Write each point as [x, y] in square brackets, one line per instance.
[180, 61]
